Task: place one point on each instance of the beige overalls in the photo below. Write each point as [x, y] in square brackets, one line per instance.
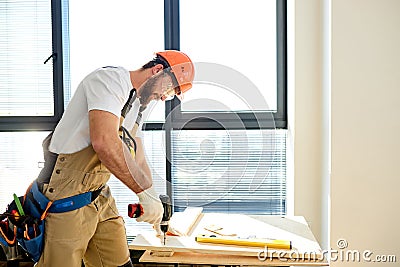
[94, 233]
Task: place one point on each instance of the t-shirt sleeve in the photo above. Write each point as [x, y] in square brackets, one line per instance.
[105, 90]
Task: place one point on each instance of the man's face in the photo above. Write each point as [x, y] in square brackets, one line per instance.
[154, 87]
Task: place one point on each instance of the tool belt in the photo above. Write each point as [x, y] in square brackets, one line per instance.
[28, 230]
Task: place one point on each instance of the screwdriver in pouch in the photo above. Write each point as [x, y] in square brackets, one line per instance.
[136, 210]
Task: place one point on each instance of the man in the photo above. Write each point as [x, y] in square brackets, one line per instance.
[93, 140]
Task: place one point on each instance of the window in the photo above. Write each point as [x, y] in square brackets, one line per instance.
[228, 140]
[31, 92]
[223, 147]
[115, 35]
[247, 50]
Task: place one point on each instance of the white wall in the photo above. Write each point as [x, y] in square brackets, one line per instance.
[360, 145]
[306, 126]
[366, 125]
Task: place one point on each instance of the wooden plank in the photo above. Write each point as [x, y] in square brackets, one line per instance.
[182, 223]
[198, 258]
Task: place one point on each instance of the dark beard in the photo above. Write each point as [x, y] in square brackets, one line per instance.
[146, 91]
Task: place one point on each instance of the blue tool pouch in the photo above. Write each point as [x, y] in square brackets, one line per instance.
[31, 238]
[28, 228]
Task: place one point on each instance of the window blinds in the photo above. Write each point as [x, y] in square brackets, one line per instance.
[26, 84]
[238, 171]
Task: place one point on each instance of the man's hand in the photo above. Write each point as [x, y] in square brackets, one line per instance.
[152, 207]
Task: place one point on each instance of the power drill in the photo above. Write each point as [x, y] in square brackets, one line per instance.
[135, 210]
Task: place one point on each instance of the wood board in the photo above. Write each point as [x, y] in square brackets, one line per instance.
[223, 260]
[276, 227]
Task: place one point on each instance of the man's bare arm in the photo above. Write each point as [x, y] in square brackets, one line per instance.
[113, 154]
[141, 158]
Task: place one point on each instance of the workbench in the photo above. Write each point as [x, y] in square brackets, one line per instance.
[305, 252]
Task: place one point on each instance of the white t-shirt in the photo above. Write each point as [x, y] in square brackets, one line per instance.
[104, 89]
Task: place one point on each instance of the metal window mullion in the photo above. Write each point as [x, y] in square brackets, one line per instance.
[58, 83]
[20, 124]
[281, 42]
[225, 121]
[171, 24]
[168, 151]
[171, 41]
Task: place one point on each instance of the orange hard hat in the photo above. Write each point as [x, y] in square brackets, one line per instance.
[182, 68]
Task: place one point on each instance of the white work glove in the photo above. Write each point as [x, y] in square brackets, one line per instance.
[152, 208]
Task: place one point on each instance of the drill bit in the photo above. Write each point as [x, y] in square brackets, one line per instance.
[164, 229]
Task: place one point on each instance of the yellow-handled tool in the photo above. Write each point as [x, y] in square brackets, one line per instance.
[249, 242]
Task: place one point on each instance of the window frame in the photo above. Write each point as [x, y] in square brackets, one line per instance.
[250, 120]
[178, 120]
[45, 123]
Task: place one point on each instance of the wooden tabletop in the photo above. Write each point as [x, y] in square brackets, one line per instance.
[215, 259]
[306, 250]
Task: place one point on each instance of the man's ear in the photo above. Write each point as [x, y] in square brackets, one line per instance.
[157, 68]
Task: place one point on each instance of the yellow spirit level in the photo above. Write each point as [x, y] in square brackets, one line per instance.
[249, 242]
